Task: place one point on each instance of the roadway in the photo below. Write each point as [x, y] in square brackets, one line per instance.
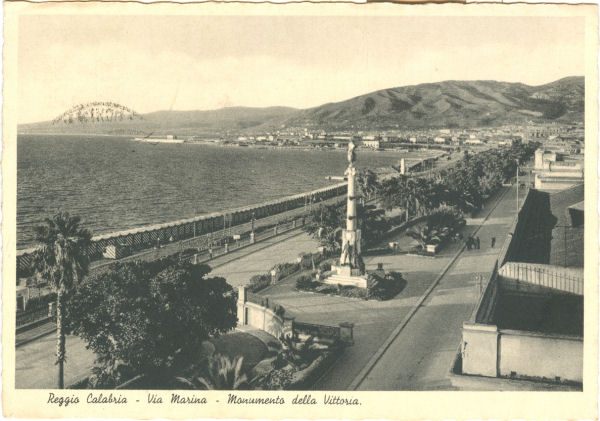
[419, 357]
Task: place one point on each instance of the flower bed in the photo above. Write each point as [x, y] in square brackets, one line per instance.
[298, 365]
[382, 286]
[284, 270]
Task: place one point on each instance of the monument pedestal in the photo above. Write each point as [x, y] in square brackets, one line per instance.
[345, 275]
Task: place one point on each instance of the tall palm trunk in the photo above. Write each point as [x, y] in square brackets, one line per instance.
[60, 343]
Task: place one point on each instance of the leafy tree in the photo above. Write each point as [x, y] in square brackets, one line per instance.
[62, 261]
[150, 317]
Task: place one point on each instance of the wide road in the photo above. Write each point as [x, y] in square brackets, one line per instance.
[420, 356]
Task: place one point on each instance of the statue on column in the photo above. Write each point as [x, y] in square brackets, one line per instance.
[351, 153]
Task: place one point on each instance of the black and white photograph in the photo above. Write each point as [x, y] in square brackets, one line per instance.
[275, 208]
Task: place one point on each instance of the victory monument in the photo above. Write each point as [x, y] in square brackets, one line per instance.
[351, 269]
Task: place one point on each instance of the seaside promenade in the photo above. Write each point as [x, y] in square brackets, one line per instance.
[382, 358]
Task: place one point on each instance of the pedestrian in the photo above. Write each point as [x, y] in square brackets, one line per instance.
[478, 242]
[210, 252]
[469, 239]
[493, 241]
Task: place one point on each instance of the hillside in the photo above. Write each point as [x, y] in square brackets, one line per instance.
[445, 104]
[452, 104]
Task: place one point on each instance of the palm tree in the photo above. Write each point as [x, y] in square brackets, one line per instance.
[368, 184]
[222, 374]
[425, 235]
[62, 261]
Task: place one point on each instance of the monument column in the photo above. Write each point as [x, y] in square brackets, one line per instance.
[350, 270]
[351, 213]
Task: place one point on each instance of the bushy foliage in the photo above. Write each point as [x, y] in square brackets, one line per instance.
[36, 303]
[388, 286]
[351, 292]
[326, 223]
[284, 270]
[259, 282]
[306, 283]
[279, 310]
[465, 185]
[325, 266]
[222, 373]
[150, 317]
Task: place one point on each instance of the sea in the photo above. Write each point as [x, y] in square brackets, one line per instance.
[115, 183]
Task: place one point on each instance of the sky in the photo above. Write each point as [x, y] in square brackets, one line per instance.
[201, 63]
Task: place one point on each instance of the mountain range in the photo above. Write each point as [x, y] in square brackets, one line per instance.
[449, 104]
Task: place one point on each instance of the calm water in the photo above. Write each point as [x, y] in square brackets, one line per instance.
[115, 183]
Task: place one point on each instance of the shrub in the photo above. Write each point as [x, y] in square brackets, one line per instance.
[36, 303]
[284, 270]
[307, 261]
[258, 282]
[352, 292]
[388, 286]
[306, 283]
[279, 310]
[325, 266]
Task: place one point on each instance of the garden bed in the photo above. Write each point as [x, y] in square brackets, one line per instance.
[299, 364]
[382, 286]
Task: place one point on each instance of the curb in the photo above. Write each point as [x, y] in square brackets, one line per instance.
[386, 344]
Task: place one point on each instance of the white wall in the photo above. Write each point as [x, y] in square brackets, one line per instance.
[487, 351]
[533, 355]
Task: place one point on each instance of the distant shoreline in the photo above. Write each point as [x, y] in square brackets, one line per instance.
[73, 134]
[231, 145]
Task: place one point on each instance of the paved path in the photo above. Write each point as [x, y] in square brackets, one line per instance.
[35, 363]
[419, 358]
[239, 267]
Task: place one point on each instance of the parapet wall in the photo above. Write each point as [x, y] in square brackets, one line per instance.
[489, 351]
[515, 274]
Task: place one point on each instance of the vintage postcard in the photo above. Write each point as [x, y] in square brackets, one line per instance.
[305, 211]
